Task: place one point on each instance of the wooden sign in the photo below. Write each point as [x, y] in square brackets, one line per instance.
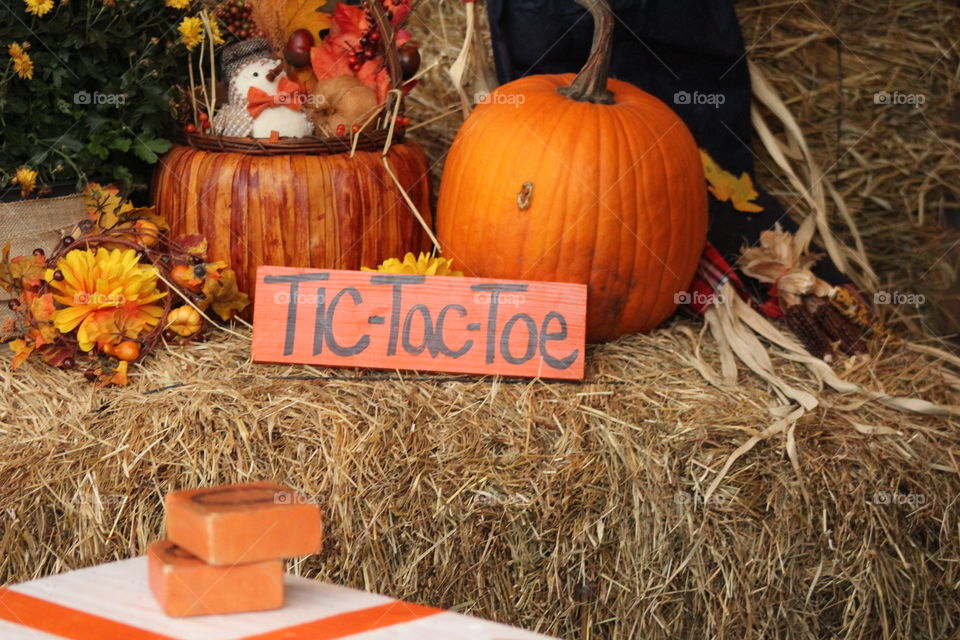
[423, 323]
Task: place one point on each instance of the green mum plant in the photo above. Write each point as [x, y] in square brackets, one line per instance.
[86, 90]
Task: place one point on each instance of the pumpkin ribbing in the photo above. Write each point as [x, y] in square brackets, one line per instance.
[618, 200]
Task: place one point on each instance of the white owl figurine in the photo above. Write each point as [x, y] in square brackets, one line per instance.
[234, 119]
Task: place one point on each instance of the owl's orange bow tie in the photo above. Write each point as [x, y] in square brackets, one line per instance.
[288, 95]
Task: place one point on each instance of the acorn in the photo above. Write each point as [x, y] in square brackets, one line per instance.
[297, 51]
[409, 60]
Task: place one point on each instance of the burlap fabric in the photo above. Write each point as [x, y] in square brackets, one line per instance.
[40, 223]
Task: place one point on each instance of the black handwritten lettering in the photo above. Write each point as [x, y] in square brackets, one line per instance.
[397, 282]
[441, 318]
[531, 339]
[294, 282]
[547, 336]
[494, 290]
[323, 331]
[320, 324]
[408, 346]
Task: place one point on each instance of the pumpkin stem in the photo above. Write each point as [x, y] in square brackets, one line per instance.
[590, 85]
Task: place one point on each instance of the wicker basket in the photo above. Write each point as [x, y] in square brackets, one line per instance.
[312, 145]
[315, 145]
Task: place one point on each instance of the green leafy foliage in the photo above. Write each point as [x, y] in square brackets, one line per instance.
[99, 105]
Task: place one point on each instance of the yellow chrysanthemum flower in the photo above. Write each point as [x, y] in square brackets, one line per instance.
[27, 179]
[24, 67]
[22, 63]
[215, 31]
[191, 32]
[39, 8]
[423, 265]
[105, 295]
[177, 4]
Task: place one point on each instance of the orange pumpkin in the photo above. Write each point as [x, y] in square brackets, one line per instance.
[579, 179]
[319, 211]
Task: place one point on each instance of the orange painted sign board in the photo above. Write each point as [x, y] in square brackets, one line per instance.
[420, 323]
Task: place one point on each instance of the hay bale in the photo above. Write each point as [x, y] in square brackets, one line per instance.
[895, 165]
[576, 510]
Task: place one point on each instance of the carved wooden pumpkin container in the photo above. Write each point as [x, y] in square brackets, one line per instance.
[297, 210]
[579, 180]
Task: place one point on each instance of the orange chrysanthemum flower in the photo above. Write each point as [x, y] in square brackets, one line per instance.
[22, 63]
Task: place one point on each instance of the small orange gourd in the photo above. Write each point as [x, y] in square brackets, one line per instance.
[579, 179]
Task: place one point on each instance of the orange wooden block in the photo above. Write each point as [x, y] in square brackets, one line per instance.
[186, 586]
[243, 523]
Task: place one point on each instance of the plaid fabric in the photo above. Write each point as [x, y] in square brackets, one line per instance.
[712, 272]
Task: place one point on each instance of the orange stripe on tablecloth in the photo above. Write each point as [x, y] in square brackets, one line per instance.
[353, 622]
[49, 617]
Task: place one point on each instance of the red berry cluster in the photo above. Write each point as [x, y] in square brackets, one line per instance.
[204, 123]
[369, 41]
[236, 17]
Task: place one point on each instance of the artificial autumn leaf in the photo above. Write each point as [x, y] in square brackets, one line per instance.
[21, 351]
[725, 186]
[55, 356]
[119, 378]
[279, 19]
[42, 308]
[223, 296]
[305, 14]
[28, 270]
[105, 205]
[331, 58]
[349, 23]
[400, 11]
[43, 334]
[375, 75]
[195, 245]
